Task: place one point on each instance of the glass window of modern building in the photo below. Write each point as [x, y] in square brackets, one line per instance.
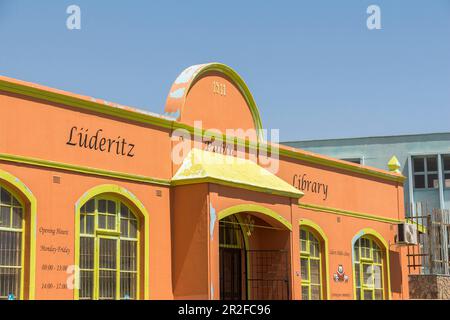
[425, 172]
[446, 165]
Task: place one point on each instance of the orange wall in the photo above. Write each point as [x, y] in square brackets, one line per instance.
[190, 242]
[215, 110]
[41, 130]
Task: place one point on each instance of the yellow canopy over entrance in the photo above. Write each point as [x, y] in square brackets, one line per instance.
[201, 166]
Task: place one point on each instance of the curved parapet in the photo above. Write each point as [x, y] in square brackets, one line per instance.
[216, 95]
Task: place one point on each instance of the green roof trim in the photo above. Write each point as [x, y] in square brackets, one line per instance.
[353, 214]
[127, 113]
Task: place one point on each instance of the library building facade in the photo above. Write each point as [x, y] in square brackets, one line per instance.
[103, 201]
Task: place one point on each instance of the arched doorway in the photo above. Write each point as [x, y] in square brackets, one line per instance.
[254, 254]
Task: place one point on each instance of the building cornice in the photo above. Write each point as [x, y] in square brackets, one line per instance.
[353, 214]
[82, 169]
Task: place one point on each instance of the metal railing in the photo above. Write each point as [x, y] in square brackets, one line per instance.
[269, 274]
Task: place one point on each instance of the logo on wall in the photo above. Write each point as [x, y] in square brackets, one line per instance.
[340, 275]
[250, 225]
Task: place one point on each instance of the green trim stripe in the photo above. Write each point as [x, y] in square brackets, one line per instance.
[420, 227]
[254, 208]
[81, 169]
[352, 214]
[78, 102]
[331, 163]
[164, 182]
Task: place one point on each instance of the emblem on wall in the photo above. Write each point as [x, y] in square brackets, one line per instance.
[250, 225]
[340, 275]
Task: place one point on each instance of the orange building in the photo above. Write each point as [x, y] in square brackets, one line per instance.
[102, 201]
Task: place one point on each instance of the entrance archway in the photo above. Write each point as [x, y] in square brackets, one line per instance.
[254, 254]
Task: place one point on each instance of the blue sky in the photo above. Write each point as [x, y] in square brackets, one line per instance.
[314, 68]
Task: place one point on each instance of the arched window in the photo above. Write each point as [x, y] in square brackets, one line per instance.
[11, 245]
[310, 265]
[109, 233]
[368, 266]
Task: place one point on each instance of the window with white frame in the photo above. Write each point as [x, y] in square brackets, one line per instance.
[425, 172]
[446, 168]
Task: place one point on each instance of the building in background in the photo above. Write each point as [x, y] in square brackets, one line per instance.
[424, 159]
